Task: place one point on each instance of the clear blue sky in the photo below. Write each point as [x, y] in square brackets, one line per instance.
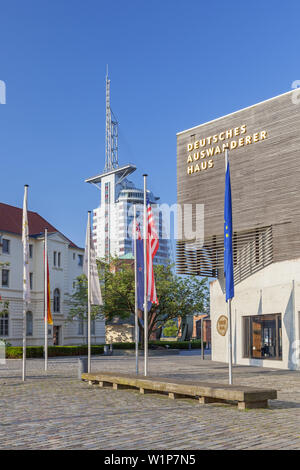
[173, 65]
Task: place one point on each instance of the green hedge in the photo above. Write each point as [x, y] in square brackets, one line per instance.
[123, 345]
[195, 344]
[54, 351]
[17, 352]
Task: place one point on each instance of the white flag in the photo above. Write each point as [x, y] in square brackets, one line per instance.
[25, 240]
[95, 295]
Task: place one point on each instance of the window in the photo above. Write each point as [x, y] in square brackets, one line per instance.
[74, 256]
[58, 259]
[56, 301]
[80, 260]
[80, 326]
[29, 324]
[5, 246]
[54, 258]
[263, 337]
[30, 251]
[31, 280]
[4, 325]
[93, 327]
[5, 277]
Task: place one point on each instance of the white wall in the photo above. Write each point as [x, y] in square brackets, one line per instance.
[269, 291]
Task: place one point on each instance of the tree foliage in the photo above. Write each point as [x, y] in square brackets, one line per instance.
[170, 329]
[178, 296]
[117, 287]
[78, 301]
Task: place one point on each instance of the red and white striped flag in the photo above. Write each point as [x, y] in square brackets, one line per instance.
[152, 247]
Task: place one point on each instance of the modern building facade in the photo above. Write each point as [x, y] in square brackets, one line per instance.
[65, 265]
[113, 219]
[264, 154]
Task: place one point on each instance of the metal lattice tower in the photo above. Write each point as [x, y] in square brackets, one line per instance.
[111, 136]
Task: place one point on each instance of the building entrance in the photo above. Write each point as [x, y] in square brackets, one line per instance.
[263, 337]
[56, 335]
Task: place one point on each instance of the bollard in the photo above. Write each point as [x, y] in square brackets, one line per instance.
[82, 366]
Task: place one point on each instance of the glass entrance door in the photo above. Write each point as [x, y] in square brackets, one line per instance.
[263, 337]
[256, 339]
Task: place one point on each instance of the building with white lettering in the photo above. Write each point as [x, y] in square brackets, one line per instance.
[263, 144]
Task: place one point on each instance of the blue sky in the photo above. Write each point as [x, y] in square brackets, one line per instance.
[172, 64]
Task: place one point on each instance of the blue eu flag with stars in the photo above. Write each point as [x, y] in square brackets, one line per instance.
[228, 261]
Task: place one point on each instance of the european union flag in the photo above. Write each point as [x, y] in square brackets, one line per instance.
[228, 261]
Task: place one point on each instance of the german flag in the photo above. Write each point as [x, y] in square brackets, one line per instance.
[49, 315]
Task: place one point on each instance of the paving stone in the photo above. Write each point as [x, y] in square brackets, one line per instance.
[57, 411]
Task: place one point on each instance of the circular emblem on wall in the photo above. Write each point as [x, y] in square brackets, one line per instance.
[222, 325]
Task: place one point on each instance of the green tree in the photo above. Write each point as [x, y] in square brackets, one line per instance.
[178, 296]
[170, 329]
[117, 280]
[78, 303]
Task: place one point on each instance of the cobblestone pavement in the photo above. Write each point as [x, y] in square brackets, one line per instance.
[57, 411]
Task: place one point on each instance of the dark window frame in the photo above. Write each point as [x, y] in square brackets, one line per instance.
[266, 331]
[2, 276]
[4, 324]
[56, 300]
[29, 321]
[7, 243]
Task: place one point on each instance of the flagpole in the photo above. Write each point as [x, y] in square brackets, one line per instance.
[46, 300]
[229, 309]
[145, 281]
[135, 298]
[89, 291]
[25, 280]
[24, 343]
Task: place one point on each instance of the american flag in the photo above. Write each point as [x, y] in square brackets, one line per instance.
[152, 247]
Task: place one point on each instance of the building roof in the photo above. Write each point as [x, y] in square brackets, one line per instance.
[124, 171]
[127, 256]
[11, 222]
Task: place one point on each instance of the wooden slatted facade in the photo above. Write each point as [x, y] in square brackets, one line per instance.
[265, 182]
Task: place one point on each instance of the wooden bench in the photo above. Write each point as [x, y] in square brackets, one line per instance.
[246, 397]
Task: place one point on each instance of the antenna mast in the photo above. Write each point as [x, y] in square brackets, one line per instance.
[111, 135]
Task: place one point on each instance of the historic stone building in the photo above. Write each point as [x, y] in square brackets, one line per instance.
[65, 264]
